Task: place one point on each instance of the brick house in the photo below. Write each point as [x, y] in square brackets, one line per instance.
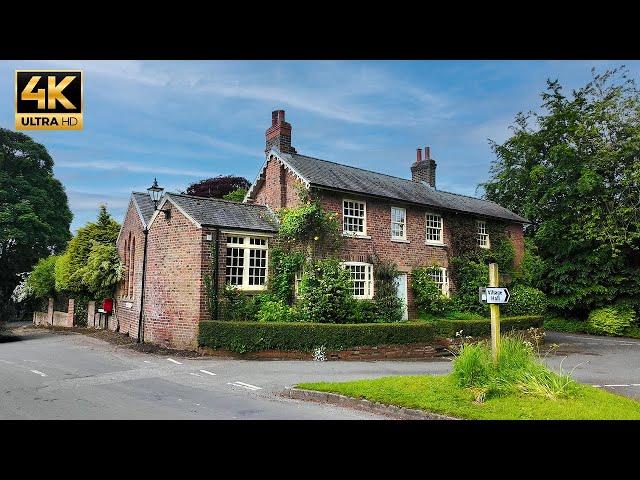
[403, 220]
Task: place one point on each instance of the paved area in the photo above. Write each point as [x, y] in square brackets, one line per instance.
[46, 375]
[70, 376]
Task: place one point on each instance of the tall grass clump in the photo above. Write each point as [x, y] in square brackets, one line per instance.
[518, 372]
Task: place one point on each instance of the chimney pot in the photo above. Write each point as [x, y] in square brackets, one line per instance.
[278, 135]
[418, 155]
[280, 116]
[427, 153]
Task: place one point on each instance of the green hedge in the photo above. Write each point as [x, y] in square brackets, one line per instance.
[480, 328]
[253, 336]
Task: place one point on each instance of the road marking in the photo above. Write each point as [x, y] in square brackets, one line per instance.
[245, 385]
[635, 384]
[597, 386]
[147, 361]
[174, 361]
[38, 372]
[207, 372]
[195, 374]
[621, 385]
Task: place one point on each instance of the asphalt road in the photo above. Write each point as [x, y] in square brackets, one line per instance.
[49, 375]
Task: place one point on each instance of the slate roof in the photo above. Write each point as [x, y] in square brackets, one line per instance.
[225, 213]
[325, 174]
[145, 205]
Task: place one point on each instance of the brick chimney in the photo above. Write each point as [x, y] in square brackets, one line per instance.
[424, 169]
[278, 135]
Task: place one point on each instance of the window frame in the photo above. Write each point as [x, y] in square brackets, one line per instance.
[444, 287]
[369, 283]
[246, 247]
[427, 241]
[364, 218]
[404, 223]
[482, 235]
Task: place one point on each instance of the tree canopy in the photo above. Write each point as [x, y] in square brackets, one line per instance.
[34, 212]
[573, 169]
[218, 187]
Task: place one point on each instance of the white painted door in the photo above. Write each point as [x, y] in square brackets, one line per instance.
[401, 289]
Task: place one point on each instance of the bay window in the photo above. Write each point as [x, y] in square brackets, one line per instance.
[247, 262]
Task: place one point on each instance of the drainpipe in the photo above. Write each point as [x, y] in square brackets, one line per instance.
[144, 274]
[216, 274]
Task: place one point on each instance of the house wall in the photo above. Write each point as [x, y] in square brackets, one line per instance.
[173, 300]
[280, 188]
[127, 307]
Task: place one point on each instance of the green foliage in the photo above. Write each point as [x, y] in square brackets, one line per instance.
[426, 293]
[255, 336]
[446, 327]
[388, 307]
[103, 271]
[518, 372]
[566, 325]
[365, 311]
[276, 311]
[41, 282]
[532, 268]
[310, 229]
[235, 305]
[284, 266]
[526, 301]
[236, 195]
[613, 320]
[574, 171]
[469, 276]
[70, 270]
[325, 292]
[34, 212]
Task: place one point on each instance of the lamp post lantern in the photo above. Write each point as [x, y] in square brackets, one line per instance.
[155, 192]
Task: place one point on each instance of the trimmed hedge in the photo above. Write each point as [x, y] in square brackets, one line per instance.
[243, 337]
[481, 328]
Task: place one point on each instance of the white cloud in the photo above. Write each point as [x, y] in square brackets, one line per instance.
[133, 167]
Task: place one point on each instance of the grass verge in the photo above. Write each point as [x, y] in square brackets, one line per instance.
[441, 394]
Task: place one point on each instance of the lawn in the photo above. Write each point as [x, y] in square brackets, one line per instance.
[440, 394]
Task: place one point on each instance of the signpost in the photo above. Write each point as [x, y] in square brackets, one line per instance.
[494, 296]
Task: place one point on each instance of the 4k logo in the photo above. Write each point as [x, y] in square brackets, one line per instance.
[49, 100]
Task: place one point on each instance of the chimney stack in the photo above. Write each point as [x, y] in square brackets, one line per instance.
[424, 170]
[278, 135]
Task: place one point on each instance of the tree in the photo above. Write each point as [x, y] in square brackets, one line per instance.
[218, 187]
[71, 268]
[34, 212]
[103, 270]
[237, 195]
[574, 171]
[41, 282]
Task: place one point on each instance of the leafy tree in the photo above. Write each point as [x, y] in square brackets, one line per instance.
[41, 282]
[237, 195]
[574, 170]
[218, 187]
[103, 270]
[71, 268]
[34, 213]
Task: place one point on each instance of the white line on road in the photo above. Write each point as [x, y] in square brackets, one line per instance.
[621, 385]
[195, 374]
[207, 372]
[245, 385]
[597, 386]
[147, 361]
[174, 361]
[38, 372]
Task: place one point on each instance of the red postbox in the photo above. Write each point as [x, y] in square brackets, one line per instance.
[107, 305]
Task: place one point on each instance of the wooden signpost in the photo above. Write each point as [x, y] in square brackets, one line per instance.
[494, 296]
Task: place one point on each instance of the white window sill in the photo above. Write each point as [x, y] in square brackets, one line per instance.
[435, 244]
[351, 235]
[400, 240]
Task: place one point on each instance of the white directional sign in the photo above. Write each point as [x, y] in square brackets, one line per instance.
[495, 295]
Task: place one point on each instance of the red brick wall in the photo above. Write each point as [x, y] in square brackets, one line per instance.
[281, 187]
[128, 317]
[173, 303]
[516, 233]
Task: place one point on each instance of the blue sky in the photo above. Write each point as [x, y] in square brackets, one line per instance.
[186, 120]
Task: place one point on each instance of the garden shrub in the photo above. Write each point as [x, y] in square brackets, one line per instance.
[427, 296]
[526, 301]
[482, 327]
[469, 275]
[611, 320]
[41, 282]
[364, 311]
[276, 311]
[284, 266]
[518, 371]
[236, 305]
[255, 336]
[325, 293]
[388, 307]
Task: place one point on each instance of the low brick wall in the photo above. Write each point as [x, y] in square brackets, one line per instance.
[57, 319]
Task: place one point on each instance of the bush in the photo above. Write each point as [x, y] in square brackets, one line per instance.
[427, 296]
[254, 336]
[284, 267]
[526, 301]
[276, 311]
[364, 311]
[388, 307]
[612, 320]
[325, 293]
[482, 327]
[518, 371]
[469, 275]
[41, 282]
[236, 305]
